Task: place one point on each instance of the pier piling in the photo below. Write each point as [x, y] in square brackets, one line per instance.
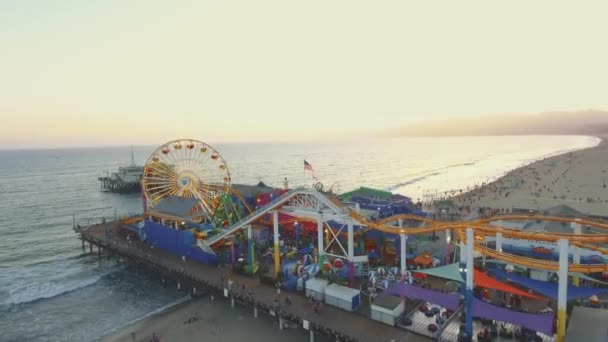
[255, 312]
[280, 322]
[90, 248]
[311, 335]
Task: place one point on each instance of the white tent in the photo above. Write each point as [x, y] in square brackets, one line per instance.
[342, 297]
[387, 309]
[316, 287]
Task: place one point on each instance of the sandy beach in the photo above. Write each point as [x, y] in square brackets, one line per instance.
[216, 321]
[577, 179]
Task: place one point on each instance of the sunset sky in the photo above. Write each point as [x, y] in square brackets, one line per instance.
[81, 73]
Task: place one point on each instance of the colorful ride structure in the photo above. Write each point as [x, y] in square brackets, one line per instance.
[192, 210]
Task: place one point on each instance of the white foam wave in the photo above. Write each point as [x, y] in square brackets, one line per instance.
[37, 291]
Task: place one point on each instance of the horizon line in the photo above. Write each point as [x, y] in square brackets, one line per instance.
[282, 141]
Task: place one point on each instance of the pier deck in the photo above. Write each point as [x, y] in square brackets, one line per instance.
[329, 320]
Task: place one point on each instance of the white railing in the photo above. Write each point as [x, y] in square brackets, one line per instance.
[252, 217]
[273, 204]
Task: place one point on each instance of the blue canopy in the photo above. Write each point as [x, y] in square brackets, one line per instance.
[549, 289]
[542, 322]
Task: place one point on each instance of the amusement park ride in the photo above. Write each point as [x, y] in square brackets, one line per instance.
[187, 189]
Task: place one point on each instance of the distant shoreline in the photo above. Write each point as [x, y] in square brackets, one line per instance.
[456, 192]
[545, 181]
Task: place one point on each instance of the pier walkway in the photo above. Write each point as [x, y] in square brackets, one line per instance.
[330, 320]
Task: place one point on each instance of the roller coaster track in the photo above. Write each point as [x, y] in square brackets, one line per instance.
[481, 227]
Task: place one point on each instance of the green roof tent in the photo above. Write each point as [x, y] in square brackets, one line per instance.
[367, 192]
[451, 272]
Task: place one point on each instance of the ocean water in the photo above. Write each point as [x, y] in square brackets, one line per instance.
[49, 290]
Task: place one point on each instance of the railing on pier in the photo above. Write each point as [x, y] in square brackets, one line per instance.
[82, 222]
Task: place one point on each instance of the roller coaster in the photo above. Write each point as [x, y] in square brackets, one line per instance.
[482, 228]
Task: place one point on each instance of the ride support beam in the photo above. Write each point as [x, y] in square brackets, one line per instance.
[403, 250]
[562, 290]
[250, 251]
[469, 284]
[320, 236]
[351, 251]
[448, 240]
[403, 256]
[499, 242]
[576, 251]
[463, 253]
[232, 251]
[277, 251]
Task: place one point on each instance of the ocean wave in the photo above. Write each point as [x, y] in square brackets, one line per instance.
[420, 176]
[27, 286]
[463, 164]
[36, 292]
[412, 181]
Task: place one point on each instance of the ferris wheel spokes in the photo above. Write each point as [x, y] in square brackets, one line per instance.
[187, 168]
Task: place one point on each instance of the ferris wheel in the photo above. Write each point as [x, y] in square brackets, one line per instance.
[186, 168]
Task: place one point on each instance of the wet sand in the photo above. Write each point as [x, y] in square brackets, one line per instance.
[216, 322]
[577, 179]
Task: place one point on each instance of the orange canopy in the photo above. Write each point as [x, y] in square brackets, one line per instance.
[483, 280]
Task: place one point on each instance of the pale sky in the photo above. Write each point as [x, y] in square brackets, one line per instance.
[143, 72]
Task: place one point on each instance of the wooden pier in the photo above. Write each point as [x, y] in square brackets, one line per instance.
[245, 290]
[117, 184]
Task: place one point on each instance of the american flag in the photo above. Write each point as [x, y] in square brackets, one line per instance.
[308, 167]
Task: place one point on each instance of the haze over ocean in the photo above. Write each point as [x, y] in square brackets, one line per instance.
[49, 291]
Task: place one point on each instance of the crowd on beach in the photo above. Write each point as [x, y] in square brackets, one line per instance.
[538, 186]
